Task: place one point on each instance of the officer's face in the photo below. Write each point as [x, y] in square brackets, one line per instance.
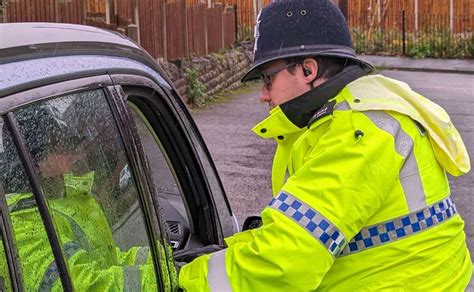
[280, 85]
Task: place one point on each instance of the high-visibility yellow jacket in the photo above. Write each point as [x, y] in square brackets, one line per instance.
[361, 201]
[95, 263]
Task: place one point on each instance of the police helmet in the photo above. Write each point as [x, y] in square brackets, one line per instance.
[301, 28]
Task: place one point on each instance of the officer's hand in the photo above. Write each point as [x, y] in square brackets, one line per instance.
[187, 255]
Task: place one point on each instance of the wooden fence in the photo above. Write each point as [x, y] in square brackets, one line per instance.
[151, 25]
[454, 15]
[247, 10]
[178, 28]
[46, 11]
[175, 23]
[169, 29]
[419, 28]
[196, 35]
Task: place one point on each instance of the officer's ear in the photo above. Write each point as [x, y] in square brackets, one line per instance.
[309, 69]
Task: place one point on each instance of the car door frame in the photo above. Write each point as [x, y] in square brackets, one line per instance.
[193, 146]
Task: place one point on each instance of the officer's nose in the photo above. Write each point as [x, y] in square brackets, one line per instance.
[264, 94]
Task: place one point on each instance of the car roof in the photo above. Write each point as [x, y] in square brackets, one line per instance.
[34, 54]
[34, 33]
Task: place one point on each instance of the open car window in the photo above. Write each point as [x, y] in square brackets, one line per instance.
[178, 179]
[166, 183]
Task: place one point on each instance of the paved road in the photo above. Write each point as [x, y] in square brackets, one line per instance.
[244, 160]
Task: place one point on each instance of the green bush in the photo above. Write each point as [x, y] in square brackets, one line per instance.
[433, 42]
[245, 33]
[196, 90]
[440, 44]
[359, 40]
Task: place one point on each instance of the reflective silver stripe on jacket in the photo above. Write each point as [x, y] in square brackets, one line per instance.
[22, 204]
[308, 218]
[217, 278]
[342, 106]
[409, 174]
[142, 255]
[401, 227]
[132, 280]
[80, 235]
[51, 275]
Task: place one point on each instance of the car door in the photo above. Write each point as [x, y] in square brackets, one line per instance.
[75, 195]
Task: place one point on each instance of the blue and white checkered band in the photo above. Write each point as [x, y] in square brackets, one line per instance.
[401, 227]
[308, 218]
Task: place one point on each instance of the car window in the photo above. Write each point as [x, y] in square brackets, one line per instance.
[228, 222]
[5, 281]
[35, 254]
[91, 193]
[165, 133]
[165, 181]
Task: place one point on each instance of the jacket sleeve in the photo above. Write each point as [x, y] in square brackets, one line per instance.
[341, 183]
[89, 274]
[244, 236]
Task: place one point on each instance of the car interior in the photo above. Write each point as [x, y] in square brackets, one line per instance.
[167, 187]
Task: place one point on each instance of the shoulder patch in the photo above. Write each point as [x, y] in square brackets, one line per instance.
[326, 109]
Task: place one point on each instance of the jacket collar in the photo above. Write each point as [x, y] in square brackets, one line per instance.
[294, 115]
[275, 125]
[300, 109]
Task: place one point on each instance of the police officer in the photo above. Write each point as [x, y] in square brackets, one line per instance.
[361, 197]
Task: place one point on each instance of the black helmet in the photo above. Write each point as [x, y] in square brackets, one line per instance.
[293, 28]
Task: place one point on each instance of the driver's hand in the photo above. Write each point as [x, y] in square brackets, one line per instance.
[187, 255]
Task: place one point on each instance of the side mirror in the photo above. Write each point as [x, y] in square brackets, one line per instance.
[252, 222]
